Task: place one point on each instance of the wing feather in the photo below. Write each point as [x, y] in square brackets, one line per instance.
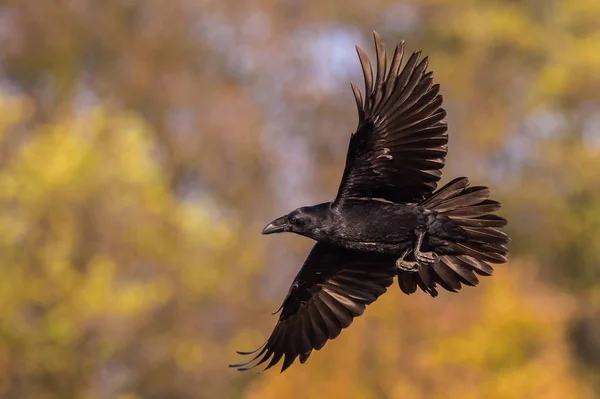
[333, 287]
[400, 145]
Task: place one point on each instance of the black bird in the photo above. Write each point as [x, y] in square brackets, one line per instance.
[387, 219]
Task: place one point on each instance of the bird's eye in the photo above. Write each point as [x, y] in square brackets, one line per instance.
[292, 219]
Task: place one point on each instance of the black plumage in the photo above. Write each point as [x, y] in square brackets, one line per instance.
[387, 219]
[332, 288]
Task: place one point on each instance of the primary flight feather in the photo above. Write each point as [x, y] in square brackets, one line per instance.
[387, 219]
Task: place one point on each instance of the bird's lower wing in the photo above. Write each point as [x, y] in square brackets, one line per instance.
[332, 288]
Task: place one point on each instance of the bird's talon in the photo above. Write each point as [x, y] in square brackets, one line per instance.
[426, 257]
[407, 266]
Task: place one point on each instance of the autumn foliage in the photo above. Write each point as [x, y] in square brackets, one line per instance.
[144, 144]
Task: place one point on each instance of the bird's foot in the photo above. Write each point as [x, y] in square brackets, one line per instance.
[408, 266]
[425, 257]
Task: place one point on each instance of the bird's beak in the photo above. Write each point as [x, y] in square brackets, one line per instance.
[276, 226]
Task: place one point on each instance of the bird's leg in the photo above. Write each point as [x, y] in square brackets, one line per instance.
[420, 257]
[405, 264]
[423, 257]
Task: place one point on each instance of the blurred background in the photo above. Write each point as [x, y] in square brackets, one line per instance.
[144, 144]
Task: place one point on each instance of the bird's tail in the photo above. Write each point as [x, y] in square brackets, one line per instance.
[460, 261]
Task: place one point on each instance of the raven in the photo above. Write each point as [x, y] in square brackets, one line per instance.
[387, 219]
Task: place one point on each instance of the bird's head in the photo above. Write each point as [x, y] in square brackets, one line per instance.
[307, 221]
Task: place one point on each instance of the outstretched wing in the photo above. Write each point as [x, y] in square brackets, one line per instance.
[400, 145]
[332, 288]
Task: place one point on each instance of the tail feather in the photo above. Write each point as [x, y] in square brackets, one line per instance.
[447, 275]
[486, 234]
[448, 191]
[471, 209]
[480, 267]
[409, 283]
[476, 195]
[480, 252]
[484, 221]
[462, 269]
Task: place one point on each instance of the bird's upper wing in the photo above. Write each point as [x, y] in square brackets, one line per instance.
[332, 288]
[400, 145]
